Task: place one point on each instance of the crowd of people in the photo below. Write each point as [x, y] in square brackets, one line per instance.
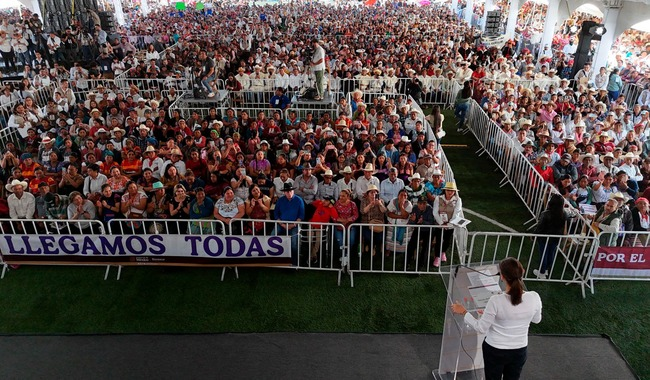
[118, 153]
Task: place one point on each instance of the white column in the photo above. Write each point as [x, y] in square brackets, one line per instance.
[606, 41]
[36, 8]
[454, 6]
[144, 7]
[469, 11]
[549, 25]
[513, 12]
[119, 12]
[489, 6]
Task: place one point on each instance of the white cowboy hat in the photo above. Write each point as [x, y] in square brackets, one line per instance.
[369, 168]
[15, 182]
[328, 173]
[118, 129]
[415, 176]
[346, 170]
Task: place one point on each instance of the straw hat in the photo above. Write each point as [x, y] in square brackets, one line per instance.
[372, 187]
[450, 186]
[369, 168]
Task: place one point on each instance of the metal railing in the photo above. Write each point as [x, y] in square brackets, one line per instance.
[517, 169]
[632, 91]
[561, 258]
[402, 248]
[315, 245]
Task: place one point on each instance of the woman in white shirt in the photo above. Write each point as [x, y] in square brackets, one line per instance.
[505, 321]
[151, 54]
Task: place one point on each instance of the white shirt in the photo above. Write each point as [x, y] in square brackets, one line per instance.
[507, 325]
[319, 54]
[22, 208]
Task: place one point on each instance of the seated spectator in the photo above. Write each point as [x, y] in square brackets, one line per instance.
[81, 211]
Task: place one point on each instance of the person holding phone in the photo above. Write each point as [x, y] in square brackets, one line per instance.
[505, 321]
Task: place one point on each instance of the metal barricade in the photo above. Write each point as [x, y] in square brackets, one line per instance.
[316, 113]
[91, 85]
[166, 226]
[517, 170]
[10, 135]
[43, 94]
[315, 246]
[632, 91]
[6, 110]
[566, 258]
[403, 248]
[49, 227]
[148, 85]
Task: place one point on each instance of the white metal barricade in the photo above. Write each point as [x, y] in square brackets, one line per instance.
[49, 227]
[315, 246]
[316, 113]
[517, 170]
[169, 227]
[567, 257]
[402, 248]
[632, 91]
[10, 134]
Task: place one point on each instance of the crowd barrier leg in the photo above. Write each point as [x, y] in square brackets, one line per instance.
[223, 273]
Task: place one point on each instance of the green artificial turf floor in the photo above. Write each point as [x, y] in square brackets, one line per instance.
[181, 300]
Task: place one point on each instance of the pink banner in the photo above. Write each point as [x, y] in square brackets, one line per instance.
[622, 262]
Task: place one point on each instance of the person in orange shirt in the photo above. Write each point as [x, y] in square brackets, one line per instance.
[28, 166]
[39, 176]
[132, 165]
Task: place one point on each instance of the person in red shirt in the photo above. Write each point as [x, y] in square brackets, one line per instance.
[324, 212]
[545, 171]
[604, 145]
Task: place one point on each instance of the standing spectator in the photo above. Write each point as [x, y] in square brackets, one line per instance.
[318, 67]
[462, 103]
[445, 208]
[289, 208]
[551, 222]
[420, 242]
[7, 52]
[614, 85]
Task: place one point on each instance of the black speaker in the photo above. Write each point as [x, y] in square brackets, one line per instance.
[107, 20]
